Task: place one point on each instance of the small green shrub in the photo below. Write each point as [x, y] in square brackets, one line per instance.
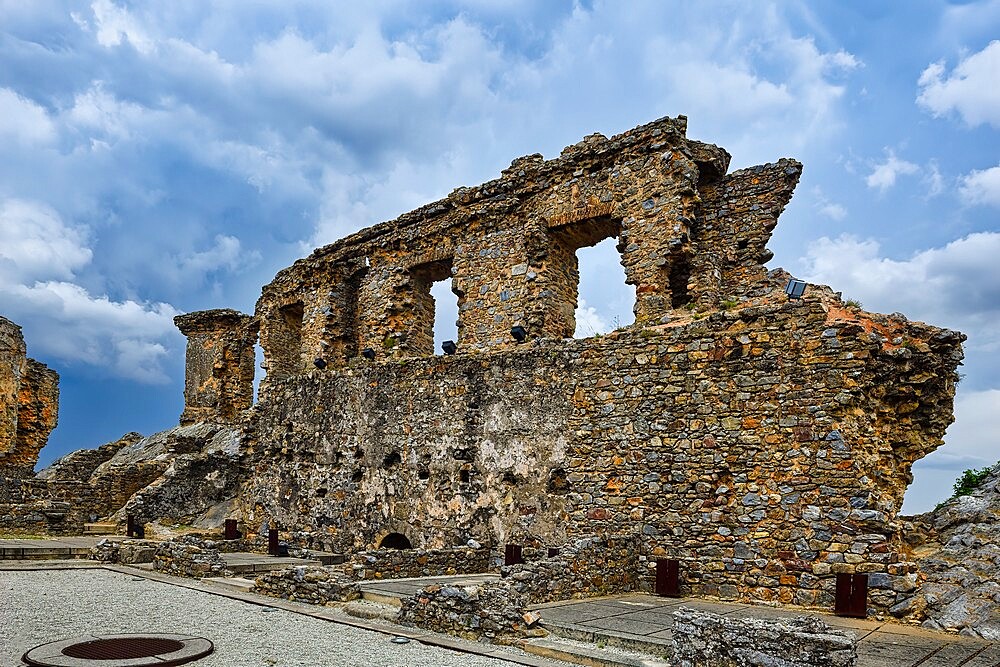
[970, 481]
[729, 304]
[853, 303]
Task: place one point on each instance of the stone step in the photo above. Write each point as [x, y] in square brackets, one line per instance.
[602, 637]
[370, 610]
[239, 584]
[589, 655]
[42, 551]
[324, 557]
[100, 528]
[251, 563]
[379, 597]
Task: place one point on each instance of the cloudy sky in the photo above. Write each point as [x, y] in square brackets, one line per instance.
[163, 157]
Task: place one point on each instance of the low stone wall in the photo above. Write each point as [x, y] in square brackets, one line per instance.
[494, 611]
[701, 639]
[402, 563]
[314, 585]
[39, 507]
[190, 559]
[124, 551]
[588, 567]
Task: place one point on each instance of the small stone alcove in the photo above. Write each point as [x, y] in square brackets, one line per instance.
[395, 541]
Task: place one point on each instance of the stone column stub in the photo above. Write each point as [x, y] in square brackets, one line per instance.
[219, 365]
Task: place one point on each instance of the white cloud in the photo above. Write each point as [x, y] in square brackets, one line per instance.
[933, 180]
[970, 89]
[23, 121]
[970, 442]
[884, 174]
[227, 253]
[66, 321]
[833, 211]
[115, 24]
[39, 258]
[588, 321]
[35, 243]
[825, 207]
[981, 187]
[960, 278]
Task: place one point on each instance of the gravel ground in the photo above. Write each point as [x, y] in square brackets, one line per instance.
[38, 607]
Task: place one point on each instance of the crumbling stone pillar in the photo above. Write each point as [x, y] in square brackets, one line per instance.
[219, 369]
[29, 403]
[656, 239]
[13, 365]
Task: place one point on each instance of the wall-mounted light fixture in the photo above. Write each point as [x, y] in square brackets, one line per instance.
[319, 363]
[795, 288]
[449, 347]
[368, 353]
[519, 333]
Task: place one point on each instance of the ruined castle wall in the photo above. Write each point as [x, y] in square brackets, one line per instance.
[765, 443]
[747, 444]
[508, 248]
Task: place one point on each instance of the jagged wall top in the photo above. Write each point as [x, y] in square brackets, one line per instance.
[689, 236]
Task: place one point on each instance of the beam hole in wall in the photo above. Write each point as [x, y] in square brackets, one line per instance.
[558, 483]
[512, 479]
[423, 473]
[395, 541]
[321, 492]
[464, 476]
[358, 474]
[391, 459]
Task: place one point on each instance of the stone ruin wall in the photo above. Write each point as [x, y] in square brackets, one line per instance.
[29, 404]
[763, 441]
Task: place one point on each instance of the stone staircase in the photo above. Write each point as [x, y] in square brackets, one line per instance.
[100, 528]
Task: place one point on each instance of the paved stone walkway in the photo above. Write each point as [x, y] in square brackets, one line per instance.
[644, 622]
[77, 546]
[635, 621]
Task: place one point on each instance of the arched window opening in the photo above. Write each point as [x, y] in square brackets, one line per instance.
[395, 541]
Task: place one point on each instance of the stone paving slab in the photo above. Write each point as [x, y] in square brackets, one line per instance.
[49, 548]
[242, 562]
[643, 622]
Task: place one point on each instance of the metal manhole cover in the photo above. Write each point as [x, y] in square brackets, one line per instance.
[138, 650]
